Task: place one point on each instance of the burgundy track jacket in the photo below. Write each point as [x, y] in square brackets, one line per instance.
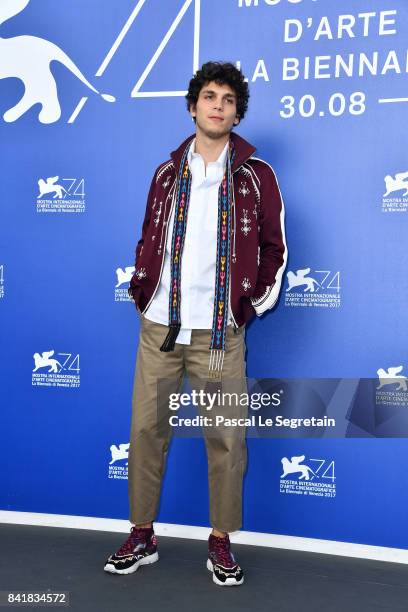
[258, 244]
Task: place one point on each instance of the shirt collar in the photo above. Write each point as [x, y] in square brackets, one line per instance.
[242, 149]
[193, 155]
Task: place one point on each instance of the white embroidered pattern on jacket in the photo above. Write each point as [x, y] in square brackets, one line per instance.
[246, 284]
[159, 250]
[163, 170]
[246, 221]
[259, 300]
[251, 169]
[166, 182]
[244, 189]
[141, 273]
[171, 195]
[157, 214]
[248, 171]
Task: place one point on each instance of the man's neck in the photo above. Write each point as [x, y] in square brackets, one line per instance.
[209, 148]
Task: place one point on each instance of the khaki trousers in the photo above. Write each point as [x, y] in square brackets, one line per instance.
[151, 431]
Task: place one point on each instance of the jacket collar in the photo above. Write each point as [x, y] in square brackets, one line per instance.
[243, 151]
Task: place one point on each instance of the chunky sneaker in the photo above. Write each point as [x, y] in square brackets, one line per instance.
[140, 548]
[221, 562]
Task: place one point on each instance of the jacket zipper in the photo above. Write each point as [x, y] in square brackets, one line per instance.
[229, 304]
[163, 249]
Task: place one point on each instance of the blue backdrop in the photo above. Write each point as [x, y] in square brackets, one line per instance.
[327, 110]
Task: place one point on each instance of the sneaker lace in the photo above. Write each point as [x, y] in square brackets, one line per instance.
[221, 547]
[136, 536]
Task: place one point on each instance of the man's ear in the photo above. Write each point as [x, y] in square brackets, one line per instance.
[193, 109]
[237, 120]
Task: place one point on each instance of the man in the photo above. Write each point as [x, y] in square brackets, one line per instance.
[211, 256]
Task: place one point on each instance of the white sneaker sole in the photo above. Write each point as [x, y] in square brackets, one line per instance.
[109, 567]
[228, 582]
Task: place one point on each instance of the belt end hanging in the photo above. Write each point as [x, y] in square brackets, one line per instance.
[170, 340]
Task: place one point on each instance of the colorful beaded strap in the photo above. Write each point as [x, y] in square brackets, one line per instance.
[222, 275]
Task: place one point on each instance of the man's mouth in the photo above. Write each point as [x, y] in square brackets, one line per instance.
[214, 118]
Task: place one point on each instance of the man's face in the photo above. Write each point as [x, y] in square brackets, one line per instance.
[216, 110]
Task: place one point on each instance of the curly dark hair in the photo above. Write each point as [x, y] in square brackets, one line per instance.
[222, 73]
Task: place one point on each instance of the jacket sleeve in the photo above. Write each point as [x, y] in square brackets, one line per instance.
[272, 243]
[132, 290]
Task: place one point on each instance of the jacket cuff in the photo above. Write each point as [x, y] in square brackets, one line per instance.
[267, 300]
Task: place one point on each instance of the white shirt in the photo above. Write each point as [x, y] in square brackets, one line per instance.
[198, 264]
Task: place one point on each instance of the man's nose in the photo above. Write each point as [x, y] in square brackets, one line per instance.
[218, 104]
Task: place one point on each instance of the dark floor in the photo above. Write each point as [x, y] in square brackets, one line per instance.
[55, 559]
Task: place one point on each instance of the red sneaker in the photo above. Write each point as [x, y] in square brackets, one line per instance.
[221, 562]
[140, 548]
